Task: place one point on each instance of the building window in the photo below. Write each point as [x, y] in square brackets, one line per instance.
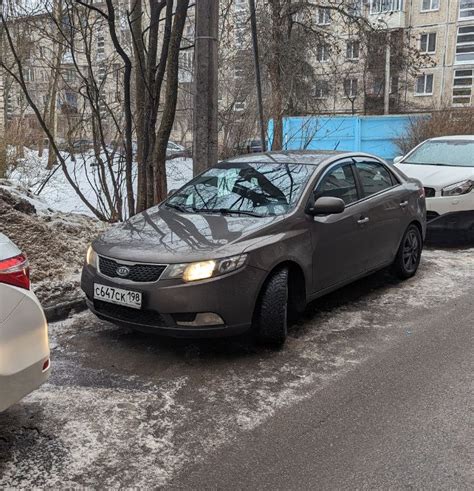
[29, 74]
[101, 74]
[462, 87]
[352, 50]
[321, 90]
[69, 75]
[465, 45]
[240, 4]
[324, 16]
[100, 46]
[239, 106]
[239, 72]
[427, 5]
[70, 99]
[424, 84]
[428, 42]
[355, 7]
[466, 9]
[350, 88]
[322, 53]
[380, 6]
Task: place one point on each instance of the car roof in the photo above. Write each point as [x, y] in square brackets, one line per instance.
[454, 137]
[311, 157]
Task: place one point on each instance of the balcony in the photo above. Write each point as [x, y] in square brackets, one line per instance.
[387, 14]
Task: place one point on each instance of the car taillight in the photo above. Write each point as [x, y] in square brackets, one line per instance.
[15, 271]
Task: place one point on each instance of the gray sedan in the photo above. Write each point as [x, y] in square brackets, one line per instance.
[246, 244]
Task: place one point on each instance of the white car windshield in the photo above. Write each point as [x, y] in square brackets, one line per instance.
[455, 153]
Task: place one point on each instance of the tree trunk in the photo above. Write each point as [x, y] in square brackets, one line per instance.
[171, 99]
[136, 26]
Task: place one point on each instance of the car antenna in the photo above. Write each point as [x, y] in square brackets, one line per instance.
[336, 145]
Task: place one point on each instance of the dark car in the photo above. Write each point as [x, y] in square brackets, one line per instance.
[250, 241]
[249, 146]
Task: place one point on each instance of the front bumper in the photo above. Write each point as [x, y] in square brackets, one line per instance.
[450, 204]
[167, 302]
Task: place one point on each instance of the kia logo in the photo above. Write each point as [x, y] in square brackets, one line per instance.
[123, 271]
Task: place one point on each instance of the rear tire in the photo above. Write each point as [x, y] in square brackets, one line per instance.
[272, 311]
[409, 253]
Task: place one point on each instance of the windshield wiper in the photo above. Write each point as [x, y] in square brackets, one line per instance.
[180, 208]
[227, 211]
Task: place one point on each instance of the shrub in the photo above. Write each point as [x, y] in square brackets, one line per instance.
[440, 123]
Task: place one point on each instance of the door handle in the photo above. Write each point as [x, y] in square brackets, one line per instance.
[403, 204]
[363, 220]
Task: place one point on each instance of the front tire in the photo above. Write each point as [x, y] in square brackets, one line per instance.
[272, 311]
[409, 253]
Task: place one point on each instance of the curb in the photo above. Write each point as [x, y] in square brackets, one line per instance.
[61, 311]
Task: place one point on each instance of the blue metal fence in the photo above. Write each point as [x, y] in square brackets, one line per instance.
[372, 134]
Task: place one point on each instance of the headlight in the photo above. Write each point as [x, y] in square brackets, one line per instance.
[459, 188]
[91, 257]
[203, 270]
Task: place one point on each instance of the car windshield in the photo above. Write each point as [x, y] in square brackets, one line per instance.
[258, 189]
[458, 153]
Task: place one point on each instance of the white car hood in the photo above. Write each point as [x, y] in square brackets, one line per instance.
[435, 176]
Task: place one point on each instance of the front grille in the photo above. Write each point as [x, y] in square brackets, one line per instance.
[127, 314]
[430, 192]
[140, 273]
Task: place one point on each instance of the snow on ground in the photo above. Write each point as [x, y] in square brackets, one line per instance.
[30, 172]
[128, 410]
[44, 216]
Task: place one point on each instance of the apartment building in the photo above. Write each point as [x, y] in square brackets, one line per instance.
[430, 60]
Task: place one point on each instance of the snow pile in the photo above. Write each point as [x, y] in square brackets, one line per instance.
[55, 242]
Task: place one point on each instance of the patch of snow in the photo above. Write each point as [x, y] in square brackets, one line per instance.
[31, 173]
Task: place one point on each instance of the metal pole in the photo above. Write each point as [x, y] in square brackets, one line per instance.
[386, 98]
[205, 134]
[258, 79]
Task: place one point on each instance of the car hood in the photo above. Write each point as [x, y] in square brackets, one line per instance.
[159, 235]
[437, 176]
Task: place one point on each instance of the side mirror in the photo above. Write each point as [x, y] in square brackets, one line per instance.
[327, 205]
[396, 160]
[171, 191]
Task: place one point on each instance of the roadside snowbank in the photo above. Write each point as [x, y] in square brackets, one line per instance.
[55, 242]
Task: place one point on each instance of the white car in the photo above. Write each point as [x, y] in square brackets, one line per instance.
[24, 348]
[445, 166]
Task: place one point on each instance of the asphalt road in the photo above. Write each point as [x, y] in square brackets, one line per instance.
[372, 390]
[401, 420]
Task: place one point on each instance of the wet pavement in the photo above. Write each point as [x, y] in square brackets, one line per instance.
[129, 409]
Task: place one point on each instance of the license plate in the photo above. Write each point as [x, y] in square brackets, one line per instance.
[118, 296]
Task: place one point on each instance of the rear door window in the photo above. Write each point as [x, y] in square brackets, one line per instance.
[374, 177]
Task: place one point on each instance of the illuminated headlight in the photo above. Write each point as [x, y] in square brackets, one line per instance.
[203, 270]
[91, 257]
[459, 188]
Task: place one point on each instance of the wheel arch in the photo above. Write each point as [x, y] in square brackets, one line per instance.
[297, 293]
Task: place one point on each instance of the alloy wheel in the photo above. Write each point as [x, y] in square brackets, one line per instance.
[411, 251]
